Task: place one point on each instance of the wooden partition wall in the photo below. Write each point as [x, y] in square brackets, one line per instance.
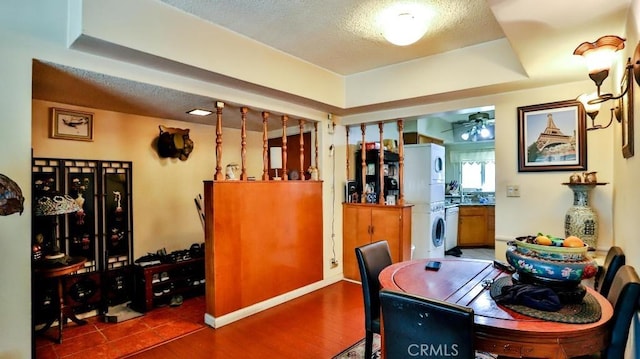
[219, 176]
[262, 238]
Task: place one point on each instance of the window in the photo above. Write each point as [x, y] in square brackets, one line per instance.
[477, 169]
[479, 175]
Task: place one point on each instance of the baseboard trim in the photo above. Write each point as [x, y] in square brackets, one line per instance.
[223, 320]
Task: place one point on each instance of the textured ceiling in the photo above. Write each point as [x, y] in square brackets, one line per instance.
[345, 36]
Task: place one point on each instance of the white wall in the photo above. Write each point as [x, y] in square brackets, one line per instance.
[626, 173]
[15, 146]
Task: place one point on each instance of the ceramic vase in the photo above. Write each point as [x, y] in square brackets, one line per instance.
[581, 220]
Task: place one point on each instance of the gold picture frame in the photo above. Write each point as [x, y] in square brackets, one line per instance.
[71, 124]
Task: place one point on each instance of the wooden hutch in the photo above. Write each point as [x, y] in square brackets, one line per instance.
[376, 217]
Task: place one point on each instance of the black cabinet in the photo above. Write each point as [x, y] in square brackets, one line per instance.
[101, 230]
[372, 174]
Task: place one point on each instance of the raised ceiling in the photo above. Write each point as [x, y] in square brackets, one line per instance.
[342, 36]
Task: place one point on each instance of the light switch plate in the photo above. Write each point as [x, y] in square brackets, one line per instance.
[513, 190]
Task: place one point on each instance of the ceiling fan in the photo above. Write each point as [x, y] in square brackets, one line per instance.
[477, 127]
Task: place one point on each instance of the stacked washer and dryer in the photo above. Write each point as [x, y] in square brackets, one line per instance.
[424, 185]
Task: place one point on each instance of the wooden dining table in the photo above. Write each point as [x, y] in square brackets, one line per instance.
[498, 329]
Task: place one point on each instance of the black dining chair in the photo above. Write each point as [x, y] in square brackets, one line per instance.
[422, 327]
[372, 259]
[624, 296]
[613, 261]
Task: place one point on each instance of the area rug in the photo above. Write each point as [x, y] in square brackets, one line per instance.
[356, 351]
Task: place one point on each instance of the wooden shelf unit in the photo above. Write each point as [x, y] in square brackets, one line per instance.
[184, 277]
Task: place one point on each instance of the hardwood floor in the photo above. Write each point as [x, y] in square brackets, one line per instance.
[317, 325]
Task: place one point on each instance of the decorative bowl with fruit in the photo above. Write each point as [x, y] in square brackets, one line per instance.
[547, 259]
[552, 248]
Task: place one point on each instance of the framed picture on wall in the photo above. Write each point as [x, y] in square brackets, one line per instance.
[552, 137]
[71, 124]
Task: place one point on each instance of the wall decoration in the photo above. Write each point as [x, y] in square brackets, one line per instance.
[174, 143]
[552, 137]
[625, 116]
[71, 124]
[11, 199]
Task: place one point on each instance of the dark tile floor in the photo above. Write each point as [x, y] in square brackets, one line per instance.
[98, 339]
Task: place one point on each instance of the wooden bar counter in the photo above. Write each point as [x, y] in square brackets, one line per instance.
[262, 239]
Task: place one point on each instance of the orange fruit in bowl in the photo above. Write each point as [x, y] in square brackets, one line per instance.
[543, 240]
[573, 241]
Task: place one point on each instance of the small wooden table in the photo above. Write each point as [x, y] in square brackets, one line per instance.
[57, 271]
[498, 329]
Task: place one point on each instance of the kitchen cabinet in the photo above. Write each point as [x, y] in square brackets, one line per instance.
[476, 226]
[412, 138]
[368, 223]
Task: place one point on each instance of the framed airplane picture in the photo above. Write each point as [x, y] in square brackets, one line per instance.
[71, 124]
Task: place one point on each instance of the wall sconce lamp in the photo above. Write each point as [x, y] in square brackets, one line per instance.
[599, 56]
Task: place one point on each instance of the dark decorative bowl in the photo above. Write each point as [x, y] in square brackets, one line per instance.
[570, 272]
[554, 253]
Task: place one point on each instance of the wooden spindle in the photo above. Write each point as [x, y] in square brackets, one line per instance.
[401, 164]
[363, 163]
[302, 170]
[285, 175]
[381, 164]
[315, 134]
[219, 176]
[348, 160]
[243, 143]
[265, 147]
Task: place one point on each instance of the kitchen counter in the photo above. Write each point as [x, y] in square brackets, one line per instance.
[475, 204]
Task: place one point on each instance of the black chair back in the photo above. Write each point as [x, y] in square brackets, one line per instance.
[624, 295]
[614, 260]
[417, 327]
[372, 259]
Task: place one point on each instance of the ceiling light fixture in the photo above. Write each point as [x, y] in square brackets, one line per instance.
[478, 129]
[405, 24]
[599, 56]
[199, 112]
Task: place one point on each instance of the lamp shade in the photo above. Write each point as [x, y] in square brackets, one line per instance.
[404, 29]
[404, 24]
[589, 103]
[275, 157]
[600, 54]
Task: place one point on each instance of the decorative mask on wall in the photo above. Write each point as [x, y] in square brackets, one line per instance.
[11, 199]
[174, 143]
